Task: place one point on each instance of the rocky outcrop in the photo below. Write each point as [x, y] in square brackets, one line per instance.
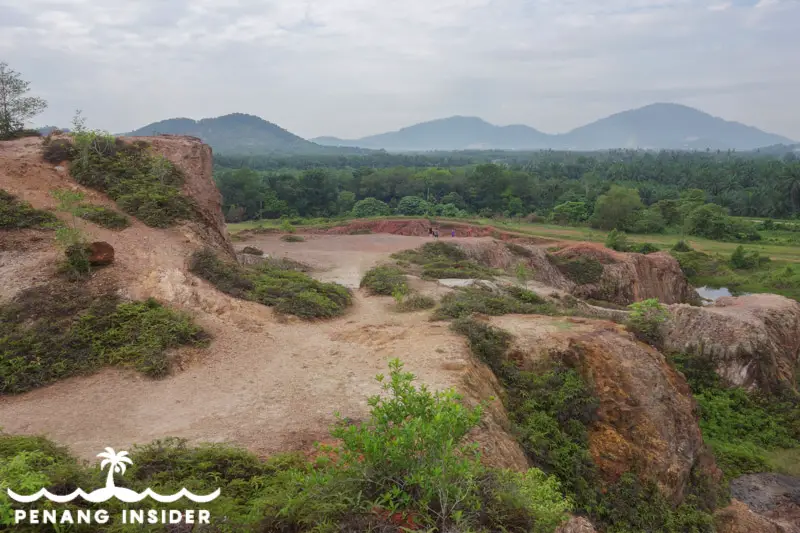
[753, 340]
[774, 497]
[647, 418]
[576, 524]
[739, 518]
[627, 277]
[100, 253]
[194, 159]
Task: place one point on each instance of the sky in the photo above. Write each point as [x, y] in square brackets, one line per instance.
[351, 68]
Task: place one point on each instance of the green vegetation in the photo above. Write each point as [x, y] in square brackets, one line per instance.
[617, 240]
[415, 302]
[252, 250]
[582, 270]
[103, 216]
[15, 108]
[16, 214]
[503, 301]
[550, 410]
[273, 283]
[407, 465]
[645, 320]
[70, 238]
[748, 433]
[747, 259]
[144, 185]
[370, 207]
[385, 280]
[292, 238]
[60, 330]
[440, 260]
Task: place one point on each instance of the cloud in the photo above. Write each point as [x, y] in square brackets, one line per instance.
[356, 67]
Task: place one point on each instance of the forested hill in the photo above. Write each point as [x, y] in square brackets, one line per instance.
[656, 126]
[241, 134]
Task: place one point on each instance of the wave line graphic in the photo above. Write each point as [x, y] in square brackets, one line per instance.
[120, 493]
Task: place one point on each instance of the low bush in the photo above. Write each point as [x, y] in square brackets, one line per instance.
[102, 216]
[508, 300]
[742, 259]
[617, 240]
[384, 280]
[581, 270]
[292, 238]
[415, 302]
[16, 214]
[682, 246]
[144, 185]
[645, 320]
[59, 330]
[441, 260]
[744, 430]
[55, 151]
[276, 285]
[643, 248]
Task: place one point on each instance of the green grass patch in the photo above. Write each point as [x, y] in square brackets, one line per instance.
[292, 238]
[385, 280]
[274, 284]
[747, 432]
[581, 270]
[16, 214]
[144, 185]
[60, 330]
[102, 216]
[505, 301]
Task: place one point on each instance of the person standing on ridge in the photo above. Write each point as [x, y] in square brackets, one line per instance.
[453, 233]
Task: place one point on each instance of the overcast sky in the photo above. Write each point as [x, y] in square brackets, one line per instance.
[351, 68]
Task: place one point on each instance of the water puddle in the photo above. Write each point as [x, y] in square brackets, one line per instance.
[710, 294]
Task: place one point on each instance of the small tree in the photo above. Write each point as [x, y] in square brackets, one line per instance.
[617, 240]
[70, 238]
[15, 108]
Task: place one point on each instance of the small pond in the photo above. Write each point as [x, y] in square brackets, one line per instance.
[712, 293]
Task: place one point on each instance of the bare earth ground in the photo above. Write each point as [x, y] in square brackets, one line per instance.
[268, 383]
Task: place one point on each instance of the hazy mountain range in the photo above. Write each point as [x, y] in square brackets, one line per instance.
[656, 126]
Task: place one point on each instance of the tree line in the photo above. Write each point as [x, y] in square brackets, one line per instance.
[629, 190]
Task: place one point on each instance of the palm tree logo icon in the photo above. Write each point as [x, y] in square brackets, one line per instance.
[116, 464]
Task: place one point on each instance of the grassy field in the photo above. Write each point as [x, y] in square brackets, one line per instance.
[777, 245]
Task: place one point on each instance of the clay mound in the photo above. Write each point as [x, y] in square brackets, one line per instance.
[752, 340]
[647, 415]
[627, 277]
[739, 518]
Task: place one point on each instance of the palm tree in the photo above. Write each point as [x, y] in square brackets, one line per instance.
[116, 463]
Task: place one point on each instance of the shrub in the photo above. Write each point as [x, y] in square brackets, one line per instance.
[742, 259]
[15, 214]
[144, 185]
[617, 240]
[370, 207]
[275, 283]
[56, 151]
[581, 270]
[55, 331]
[103, 216]
[385, 280]
[415, 302]
[643, 248]
[509, 300]
[682, 246]
[292, 238]
[645, 320]
[440, 260]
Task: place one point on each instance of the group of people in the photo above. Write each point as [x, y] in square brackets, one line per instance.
[435, 233]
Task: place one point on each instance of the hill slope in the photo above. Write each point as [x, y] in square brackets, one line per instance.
[237, 133]
[656, 126]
